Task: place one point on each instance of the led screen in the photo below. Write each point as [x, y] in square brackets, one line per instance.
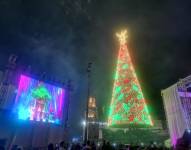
[39, 101]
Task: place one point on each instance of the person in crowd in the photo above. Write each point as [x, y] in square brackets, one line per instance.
[57, 146]
[108, 146]
[72, 146]
[62, 145]
[127, 147]
[103, 147]
[78, 146]
[87, 146]
[20, 148]
[14, 147]
[93, 146]
[51, 146]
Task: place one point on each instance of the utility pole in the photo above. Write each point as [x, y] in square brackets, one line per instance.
[69, 88]
[87, 102]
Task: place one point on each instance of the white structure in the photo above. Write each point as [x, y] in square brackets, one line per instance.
[177, 104]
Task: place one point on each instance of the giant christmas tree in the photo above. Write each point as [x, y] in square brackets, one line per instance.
[128, 105]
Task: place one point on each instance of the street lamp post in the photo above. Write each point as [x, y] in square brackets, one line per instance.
[87, 102]
[70, 89]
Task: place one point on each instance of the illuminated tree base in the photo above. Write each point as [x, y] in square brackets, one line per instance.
[134, 136]
[133, 125]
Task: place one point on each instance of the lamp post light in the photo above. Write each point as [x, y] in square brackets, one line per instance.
[87, 102]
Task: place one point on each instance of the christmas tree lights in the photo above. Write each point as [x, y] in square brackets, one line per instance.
[128, 105]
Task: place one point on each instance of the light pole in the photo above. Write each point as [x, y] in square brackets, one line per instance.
[87, 102]
[70, 89]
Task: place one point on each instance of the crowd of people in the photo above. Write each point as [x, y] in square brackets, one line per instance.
[103, 146]
[96, 146]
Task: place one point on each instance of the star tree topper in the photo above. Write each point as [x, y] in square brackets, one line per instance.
[122, 36]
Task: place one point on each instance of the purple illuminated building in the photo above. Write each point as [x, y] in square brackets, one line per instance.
[177, 104]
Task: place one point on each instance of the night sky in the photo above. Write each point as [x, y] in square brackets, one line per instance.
[60, 37]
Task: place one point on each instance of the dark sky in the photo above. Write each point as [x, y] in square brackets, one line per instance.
[60, 37]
